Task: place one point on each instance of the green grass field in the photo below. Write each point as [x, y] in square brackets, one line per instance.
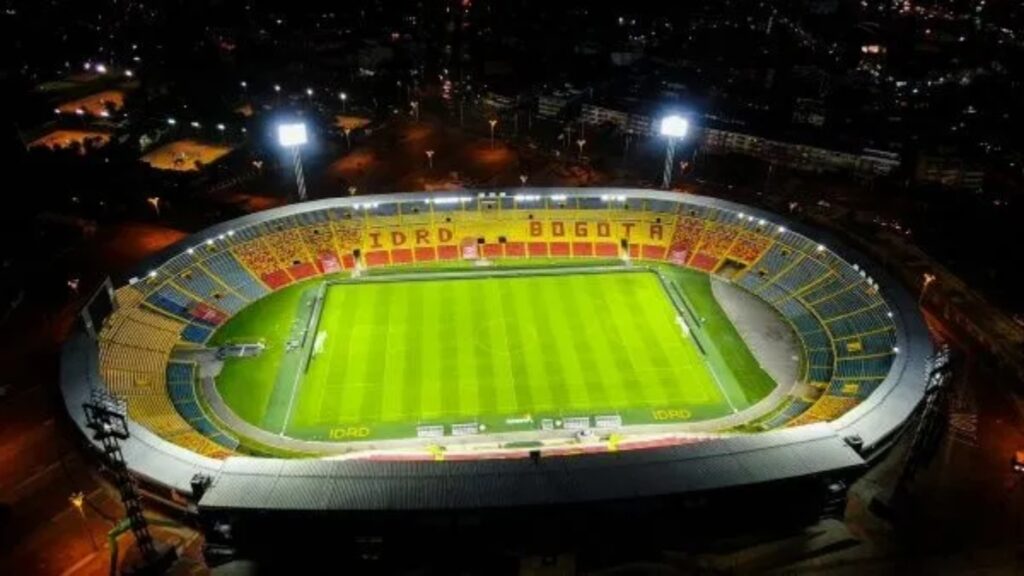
[506, 352]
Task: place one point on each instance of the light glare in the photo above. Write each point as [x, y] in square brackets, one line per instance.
[292, 134]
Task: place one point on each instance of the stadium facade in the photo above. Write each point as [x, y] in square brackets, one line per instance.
[868, 356]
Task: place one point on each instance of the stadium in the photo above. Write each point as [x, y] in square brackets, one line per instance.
[497, 358]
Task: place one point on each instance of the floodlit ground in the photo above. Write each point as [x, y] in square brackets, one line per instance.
[183, 155]
[503, 352]
[94, 104]
[68, 138]
[351, 122]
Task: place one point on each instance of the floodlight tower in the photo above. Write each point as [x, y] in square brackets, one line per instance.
[293, 136]
[674, 128]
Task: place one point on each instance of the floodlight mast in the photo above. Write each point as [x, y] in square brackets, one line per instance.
[293, 136]
[674, 128]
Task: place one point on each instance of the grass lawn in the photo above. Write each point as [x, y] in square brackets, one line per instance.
[505, 352]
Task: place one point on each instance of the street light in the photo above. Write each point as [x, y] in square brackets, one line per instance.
[77, 499]
[292, 136]
[523, 178]
[492, 122]
[172, 121]
[154, 201]
[344, 100]
[581, 143]
[348, 141]
[430, 159]
[220, 127]
[415, 109]
[277, 88]
[673, 127]
[928, 279]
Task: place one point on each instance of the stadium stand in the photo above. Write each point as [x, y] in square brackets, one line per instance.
[257, 257]
[181, 387]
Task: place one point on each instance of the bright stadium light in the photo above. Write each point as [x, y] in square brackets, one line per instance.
[292, 136]
[289, 135]
[674, 128]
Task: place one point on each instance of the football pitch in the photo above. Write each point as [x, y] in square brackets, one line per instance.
[488, 351]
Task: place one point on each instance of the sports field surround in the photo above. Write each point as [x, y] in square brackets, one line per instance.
[490, 349]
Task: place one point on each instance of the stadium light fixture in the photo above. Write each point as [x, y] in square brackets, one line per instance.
[293, 136]
[77, 499]
[674, 127]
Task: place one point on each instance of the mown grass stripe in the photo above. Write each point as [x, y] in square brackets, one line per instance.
[681, 362]
[622, 315]
[531, 381]
[414, 383]
[461, 331]
[479, 342]
[622, 381]
[355, 369]
[495, 395]
[376, 358]
[582, 332]
[657, 367]
[558, 357]
[431, 403]
[394, 377]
